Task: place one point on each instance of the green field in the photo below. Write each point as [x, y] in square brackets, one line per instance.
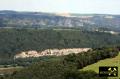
[107, 62]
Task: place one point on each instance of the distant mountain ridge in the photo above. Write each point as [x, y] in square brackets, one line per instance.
[40, 19]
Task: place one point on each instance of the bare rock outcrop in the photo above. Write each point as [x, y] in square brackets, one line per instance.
[50, 52]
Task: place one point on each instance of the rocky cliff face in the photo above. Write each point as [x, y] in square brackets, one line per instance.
[38, 19]
[50, 52]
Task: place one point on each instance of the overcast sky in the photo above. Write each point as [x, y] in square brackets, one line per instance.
[60, 6]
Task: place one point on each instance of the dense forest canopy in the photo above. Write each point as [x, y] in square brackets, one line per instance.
[66, 68]
[16, 40]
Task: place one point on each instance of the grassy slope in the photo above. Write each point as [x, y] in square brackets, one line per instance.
[107, 62]
[9, 70]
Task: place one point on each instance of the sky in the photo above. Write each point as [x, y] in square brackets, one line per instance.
[63, 6]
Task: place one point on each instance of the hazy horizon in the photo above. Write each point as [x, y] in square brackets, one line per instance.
[63, 6]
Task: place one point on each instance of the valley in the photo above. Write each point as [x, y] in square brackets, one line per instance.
[39, 45]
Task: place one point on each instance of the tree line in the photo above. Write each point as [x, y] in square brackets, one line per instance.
[68, 67]
[14, 41]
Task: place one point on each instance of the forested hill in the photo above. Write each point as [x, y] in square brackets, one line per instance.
[14, 41]
[39, 19]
